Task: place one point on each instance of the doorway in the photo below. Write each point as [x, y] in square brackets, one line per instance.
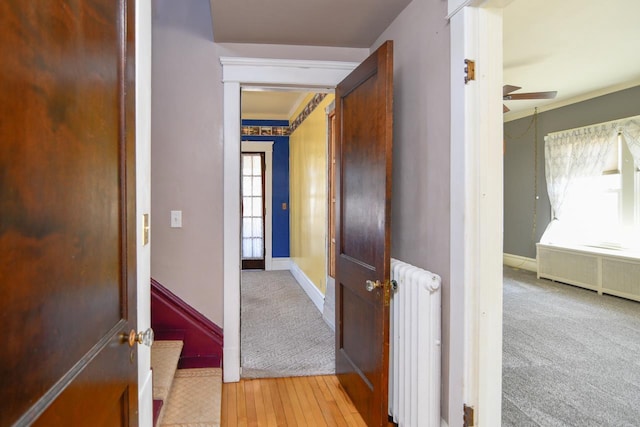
[296, 122]
[253, 210]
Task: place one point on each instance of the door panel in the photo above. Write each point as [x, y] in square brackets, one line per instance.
[365, 125]
[67, 197]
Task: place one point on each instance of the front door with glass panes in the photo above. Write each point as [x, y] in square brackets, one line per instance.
[253, 209]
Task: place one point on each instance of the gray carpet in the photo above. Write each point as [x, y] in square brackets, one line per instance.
[283, 334]
[571, 357]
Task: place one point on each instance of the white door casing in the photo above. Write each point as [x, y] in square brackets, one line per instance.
[476, 212]
[143, 203]
[237, 72]
[265, 147]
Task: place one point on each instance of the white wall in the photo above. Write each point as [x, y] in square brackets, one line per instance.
[420, 216]
[186, 159]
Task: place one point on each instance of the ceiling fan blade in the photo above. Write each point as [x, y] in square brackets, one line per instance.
[506, 89]
[505, 108]
[531, 95]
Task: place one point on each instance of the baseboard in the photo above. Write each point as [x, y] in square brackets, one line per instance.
[517, 261]
[280, 263]
[308, 287]
[171, 316]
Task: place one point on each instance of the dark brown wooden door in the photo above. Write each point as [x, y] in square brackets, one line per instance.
[67, 204]
[365, 126]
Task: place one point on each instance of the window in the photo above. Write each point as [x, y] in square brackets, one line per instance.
[593, 185]
[252, 210]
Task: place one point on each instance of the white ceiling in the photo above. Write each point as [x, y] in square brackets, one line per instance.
[351, 23]
[580, 48]
[279, 105]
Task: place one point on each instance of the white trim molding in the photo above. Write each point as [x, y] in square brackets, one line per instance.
[475, 351]
[308, 286]
[517, 261]
[237, 73]
[281, 263]
[265, 147]
[231, 233]
[309, 74]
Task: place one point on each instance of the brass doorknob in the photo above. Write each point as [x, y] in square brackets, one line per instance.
[145, 337]
[370, 285]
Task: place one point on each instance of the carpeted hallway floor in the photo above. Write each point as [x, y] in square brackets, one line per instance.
[282, 332]
[570, 357]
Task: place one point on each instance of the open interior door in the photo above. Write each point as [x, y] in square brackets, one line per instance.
[363, 211]
[68, 222]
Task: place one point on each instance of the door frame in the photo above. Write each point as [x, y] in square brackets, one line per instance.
[143, 202]
[265, 147]
[475, 377]
[236, 73]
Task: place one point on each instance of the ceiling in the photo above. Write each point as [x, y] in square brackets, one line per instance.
[278, 105]
[352, 23]
[580, 48]
[565, 46]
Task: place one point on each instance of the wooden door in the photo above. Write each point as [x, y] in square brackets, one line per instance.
[365, 127]
[67, 203]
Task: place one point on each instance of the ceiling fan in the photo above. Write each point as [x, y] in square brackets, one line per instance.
[507, 95]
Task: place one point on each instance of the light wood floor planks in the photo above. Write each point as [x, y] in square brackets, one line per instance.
[301, 401]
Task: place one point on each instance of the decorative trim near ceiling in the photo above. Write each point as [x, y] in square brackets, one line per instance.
[265, 131]
[308, 109]
[288, 63]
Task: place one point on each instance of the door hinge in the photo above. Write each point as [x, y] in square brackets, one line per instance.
[468, 416]
[469, 70]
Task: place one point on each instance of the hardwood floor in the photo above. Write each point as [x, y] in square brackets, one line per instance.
[301, 401]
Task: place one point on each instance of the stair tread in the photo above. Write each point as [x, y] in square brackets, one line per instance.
[195, 398]
[164, 363]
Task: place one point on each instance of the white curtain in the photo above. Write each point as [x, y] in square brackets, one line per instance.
[580, 153]
[571, 155]
[630, 128]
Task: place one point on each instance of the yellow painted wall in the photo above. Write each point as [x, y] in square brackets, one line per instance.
[308, 193]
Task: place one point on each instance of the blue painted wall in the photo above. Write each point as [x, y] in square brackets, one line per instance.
[280, 218]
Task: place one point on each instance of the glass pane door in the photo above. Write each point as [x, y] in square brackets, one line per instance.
[253, 210]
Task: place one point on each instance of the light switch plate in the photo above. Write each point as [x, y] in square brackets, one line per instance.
[176, 219]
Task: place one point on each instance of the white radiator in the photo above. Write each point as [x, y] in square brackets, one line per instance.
[414, 360]
[606, 271]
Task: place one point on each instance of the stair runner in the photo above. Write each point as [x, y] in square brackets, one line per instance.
[189, 397]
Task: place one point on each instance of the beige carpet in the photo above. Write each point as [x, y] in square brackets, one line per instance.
[283, 333]
[164, 362]
[195, 399]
